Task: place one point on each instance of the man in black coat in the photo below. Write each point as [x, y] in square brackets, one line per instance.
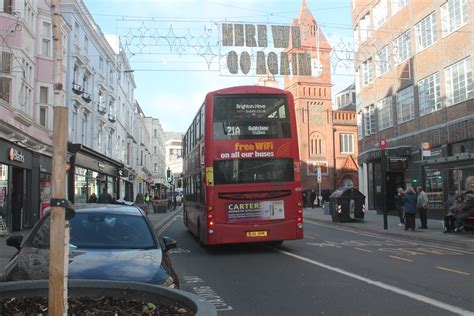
[105, 197]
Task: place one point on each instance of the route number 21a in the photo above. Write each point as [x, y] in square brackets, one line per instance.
[233, 130]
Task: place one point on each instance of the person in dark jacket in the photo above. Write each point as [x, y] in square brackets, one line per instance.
[92, 198]
[409, 206]
[105, 197]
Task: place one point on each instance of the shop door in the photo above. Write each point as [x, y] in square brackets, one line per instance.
[17, 198]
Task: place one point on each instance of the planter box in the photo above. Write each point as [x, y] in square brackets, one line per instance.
[129, 290]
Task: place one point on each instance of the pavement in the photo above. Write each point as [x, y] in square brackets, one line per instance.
[373, 222]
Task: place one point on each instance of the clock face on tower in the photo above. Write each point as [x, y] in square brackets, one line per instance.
[317, 68]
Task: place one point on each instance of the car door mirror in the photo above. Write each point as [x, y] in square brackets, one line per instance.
[15, 241]
[170, 243]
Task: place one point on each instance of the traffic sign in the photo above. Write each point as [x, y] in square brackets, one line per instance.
[319, 174]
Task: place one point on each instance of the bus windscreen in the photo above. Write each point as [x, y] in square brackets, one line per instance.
[253, 170]
[251, 117]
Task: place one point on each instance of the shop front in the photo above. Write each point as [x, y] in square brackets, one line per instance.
[16, 186]
[90, 172]
[448, 171]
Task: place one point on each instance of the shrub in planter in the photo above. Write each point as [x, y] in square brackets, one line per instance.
[149, 299]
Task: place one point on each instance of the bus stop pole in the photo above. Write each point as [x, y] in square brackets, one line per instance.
[384, 194]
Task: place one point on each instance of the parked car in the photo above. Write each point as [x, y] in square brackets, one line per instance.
[107, 242]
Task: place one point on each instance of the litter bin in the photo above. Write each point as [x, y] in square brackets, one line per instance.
[346, 202]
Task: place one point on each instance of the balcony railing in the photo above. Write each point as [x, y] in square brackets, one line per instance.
[101, 109]
[86, 97]
[77, 88]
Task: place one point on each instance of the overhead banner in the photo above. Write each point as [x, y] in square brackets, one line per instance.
[251, 49]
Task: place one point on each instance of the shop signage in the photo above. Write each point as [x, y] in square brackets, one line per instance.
[425, 150]
[398, 163]
[15, 155]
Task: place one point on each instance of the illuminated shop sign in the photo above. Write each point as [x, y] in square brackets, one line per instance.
[15, 155]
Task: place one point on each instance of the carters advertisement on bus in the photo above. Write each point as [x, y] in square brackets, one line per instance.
[265, 210]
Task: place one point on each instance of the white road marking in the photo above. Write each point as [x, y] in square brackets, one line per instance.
[415, 296]
[374, 235]
[309, 237]
[403, 259]
[361, 249]
[452, 270]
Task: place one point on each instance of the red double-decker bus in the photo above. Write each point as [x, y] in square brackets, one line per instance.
[242, 169]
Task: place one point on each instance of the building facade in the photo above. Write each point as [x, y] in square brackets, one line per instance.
[174, 157]
[158, 162]
[109, 144]
[415, 92]
[326, 137]
[26, 99]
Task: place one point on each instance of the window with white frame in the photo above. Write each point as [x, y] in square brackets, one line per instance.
[383, 63]
[356, 38]
[385, 116]
[44, 95]
[369, 120]
[84, 128]
[86, 45]
[43, 116]
[360, 125]
[397, 5]
[76, 32]
[426, 32]
[46, 39]
[429, 94]
[5, 81]
[100, 131]
[109, 143]
[101, 65]
[459, 85]
[367, 72]
[6, 6]
[405, 105]
[346, 143]
[365, 28]
[402, 47]
[380, 13]
[454, 14]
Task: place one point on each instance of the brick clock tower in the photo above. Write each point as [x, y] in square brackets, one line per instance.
[318, 131]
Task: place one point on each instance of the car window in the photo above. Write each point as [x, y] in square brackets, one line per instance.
[40, 238]
[98, 230]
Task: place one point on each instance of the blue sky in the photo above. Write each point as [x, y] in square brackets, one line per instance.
[172, 46]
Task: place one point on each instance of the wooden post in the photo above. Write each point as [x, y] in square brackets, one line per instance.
[58, 250]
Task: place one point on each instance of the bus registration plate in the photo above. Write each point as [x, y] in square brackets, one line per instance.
[262, 233]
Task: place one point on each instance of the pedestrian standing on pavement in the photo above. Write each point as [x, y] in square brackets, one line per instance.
[399, 203]
[92, 198]
[409, 207]
[105, 197]
[422, 207]
[312, 197]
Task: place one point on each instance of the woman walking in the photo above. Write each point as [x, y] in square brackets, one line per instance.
[409, 206]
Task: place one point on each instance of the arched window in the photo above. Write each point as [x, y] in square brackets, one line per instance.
[316, 145]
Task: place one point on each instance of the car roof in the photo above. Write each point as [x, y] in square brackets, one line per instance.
[107, 208]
